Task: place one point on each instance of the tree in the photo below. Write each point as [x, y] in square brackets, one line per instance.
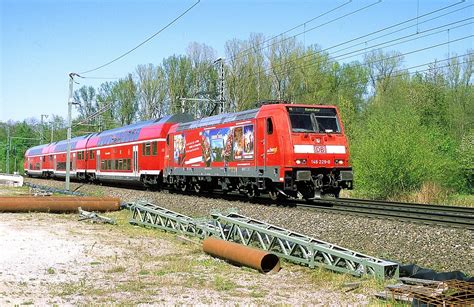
[86, 99]
[107, 104]
[125, 93]
[152, 91]
[179, 82]
[381, 66]
[204, 78]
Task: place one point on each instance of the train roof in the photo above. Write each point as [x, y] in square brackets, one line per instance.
[62, 145]
[36, 150]
[219, 119]
[239, 116]
[136, 131]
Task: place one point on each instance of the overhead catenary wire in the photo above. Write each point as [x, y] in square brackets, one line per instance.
[365, 50]
[354, 53]
[100, 78]
[144, 42]
[319, 26]
[371, 33]
[400, 72]
[245, 51]
[395, 31]
[375, 32]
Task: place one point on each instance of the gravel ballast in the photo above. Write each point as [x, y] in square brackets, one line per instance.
[436, 247]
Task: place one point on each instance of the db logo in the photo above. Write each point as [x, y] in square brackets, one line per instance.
[319, 149]
[318, 141]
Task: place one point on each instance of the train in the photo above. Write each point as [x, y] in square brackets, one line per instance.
[279, 149]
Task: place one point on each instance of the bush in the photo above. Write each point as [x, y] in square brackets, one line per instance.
[394, 154]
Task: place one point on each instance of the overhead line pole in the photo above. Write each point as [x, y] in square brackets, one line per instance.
[69, 126]
[42, 128]
[8, 150]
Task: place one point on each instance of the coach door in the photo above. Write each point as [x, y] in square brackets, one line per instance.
[260, 146]
[135, 160]
[54, 163]
[74, 161]
[97, 162]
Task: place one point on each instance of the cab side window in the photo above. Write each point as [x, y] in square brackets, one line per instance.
[269, 126]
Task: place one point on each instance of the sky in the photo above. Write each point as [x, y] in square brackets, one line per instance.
[42, 41]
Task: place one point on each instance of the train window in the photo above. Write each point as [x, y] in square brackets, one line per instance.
[50, 158]
[313, 120]
[146, 149]
[44, 158]
[91, 155]
[102, 165]
[109, 164]
[120, 164]
[129, 165]
[116, 165]
[269, 126]
[168, 140]
[154, 148]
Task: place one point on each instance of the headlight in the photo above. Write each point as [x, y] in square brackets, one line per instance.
[300, 161]
[340, 162]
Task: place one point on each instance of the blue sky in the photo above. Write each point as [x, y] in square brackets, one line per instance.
[43, 40]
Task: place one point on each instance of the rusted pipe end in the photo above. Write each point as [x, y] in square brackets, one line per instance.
[258, 259]
[270, 263]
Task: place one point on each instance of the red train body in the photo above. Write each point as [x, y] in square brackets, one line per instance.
[285, 150]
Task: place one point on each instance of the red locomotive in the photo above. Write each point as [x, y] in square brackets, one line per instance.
[280, 149]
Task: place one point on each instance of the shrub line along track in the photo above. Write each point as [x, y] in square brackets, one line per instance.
[451, 216]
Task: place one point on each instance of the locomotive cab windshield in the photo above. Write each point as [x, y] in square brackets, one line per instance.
[316, 120]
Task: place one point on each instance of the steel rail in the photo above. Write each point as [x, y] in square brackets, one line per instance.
[452, 216]
[449, 216]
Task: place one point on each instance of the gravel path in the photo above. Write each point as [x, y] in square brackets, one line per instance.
[435, 247]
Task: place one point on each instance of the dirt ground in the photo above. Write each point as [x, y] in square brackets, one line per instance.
[55, 259]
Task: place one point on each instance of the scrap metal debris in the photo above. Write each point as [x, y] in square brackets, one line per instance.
[45, 189]
[94, 217]
[421, 292]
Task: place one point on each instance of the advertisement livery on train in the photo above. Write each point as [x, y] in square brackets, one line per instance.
[280, 149]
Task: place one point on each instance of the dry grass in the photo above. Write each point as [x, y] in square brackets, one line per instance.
[434, 194]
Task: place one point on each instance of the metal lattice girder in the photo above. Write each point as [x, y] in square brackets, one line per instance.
[147, 214]
[300, 248]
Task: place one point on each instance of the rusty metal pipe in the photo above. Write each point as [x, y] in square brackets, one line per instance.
[242, 255]
[58, 204]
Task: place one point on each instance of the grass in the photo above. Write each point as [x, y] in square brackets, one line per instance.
[461, 200]
[12, 191]
[51, 271]
[116, 269]
[224, 284]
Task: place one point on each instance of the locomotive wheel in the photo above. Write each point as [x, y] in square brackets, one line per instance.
[183, 187]
[252, 192]
[273, 194]
[197, 187]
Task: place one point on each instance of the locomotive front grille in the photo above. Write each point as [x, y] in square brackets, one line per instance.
[303, 175]
[346, 176]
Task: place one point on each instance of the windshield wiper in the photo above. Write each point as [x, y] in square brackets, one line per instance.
[302, 130]
[314, 122]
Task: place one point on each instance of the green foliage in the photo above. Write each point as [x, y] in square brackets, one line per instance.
[394, 152]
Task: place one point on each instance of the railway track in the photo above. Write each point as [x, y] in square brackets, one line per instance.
[451, 216]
